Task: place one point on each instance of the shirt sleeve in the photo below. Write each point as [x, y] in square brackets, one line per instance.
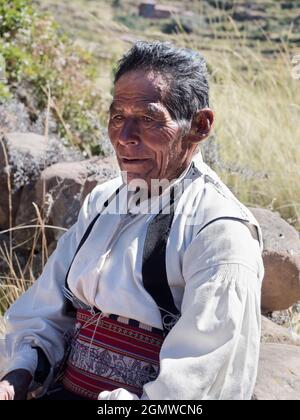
[38, 318]
[212, 351]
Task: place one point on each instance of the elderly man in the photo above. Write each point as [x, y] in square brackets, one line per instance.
[154, 293]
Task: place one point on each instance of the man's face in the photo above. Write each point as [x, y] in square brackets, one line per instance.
[147, 141]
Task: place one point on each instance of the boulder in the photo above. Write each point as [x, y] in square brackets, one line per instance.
[20, 150]
[59, 194]
[278, 372]
[14, 116]
[273, 333]
[281, 254]
[22, 158]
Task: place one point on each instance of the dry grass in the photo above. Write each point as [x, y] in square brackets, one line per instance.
[257, 127]
[17, 278]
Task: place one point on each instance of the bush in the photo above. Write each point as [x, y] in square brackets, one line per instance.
[14, 15]
[53, 72]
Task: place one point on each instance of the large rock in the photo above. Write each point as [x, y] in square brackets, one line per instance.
[279, 364]
[281, 254]
[59, 193]
[21, 150]
[273, 333]
[27, 155]
[278, 372]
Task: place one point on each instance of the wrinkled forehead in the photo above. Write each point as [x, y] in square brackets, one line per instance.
[147, 86]
[155, 109]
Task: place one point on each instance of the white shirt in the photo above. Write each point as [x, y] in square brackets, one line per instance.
[215, 277]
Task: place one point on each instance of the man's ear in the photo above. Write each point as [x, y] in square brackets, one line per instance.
[201, 125]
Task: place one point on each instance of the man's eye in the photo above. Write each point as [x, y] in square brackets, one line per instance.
[118, 117]
[147, 119]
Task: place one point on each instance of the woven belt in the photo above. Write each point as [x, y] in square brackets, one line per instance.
[109, 352]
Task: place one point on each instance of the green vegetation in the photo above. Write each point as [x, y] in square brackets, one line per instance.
[55, 73]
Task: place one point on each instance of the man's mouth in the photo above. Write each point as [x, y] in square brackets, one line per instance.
[133, 160]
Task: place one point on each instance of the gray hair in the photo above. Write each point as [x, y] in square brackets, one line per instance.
[184, 70]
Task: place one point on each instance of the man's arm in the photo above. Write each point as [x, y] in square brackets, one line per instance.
[212, 352]
[38, 319]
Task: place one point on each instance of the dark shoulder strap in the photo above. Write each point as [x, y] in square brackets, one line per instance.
[69, 308]
[154, 267]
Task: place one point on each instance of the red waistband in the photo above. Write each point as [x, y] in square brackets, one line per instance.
[109, 352]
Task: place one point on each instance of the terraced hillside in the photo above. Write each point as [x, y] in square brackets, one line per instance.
[212, 23]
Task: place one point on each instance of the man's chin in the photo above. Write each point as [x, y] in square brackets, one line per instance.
[133, 176]
[136, 179]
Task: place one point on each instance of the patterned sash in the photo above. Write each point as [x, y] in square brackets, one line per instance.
[109, 352]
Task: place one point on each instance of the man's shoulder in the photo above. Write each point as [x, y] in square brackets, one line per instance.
[216, 201]
[220, 228]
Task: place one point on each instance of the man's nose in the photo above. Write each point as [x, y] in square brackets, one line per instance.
[129, 134]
